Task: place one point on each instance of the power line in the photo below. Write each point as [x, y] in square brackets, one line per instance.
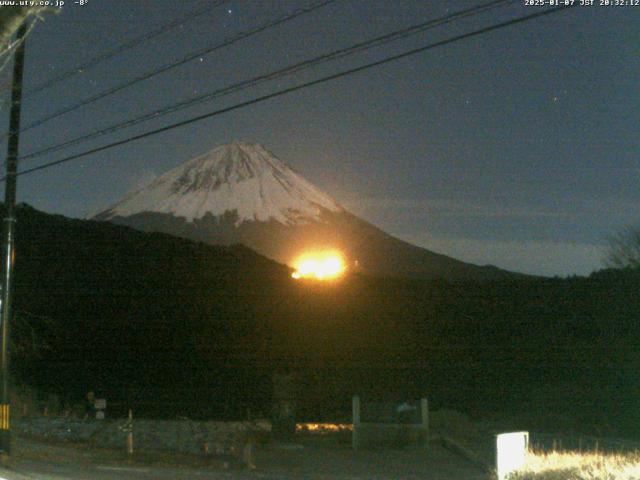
[186, 59]
[245, 84]
[285, 91]
[124, 47]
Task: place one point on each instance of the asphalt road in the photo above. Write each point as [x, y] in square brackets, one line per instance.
[302, 464]
[49, 471]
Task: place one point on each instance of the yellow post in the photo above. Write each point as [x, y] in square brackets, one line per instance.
[4, 416]
[130, 434]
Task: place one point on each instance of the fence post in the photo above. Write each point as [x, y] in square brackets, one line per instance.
[424, 413]
[130, 434]
[285, 393]
[355, 439]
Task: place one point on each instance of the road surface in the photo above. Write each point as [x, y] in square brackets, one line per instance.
[46, 462]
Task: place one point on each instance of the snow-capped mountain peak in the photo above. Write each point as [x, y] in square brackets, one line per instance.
[238, 177]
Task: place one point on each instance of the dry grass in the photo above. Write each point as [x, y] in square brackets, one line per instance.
[579, 466]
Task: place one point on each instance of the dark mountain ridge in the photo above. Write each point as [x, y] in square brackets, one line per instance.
[371, 250]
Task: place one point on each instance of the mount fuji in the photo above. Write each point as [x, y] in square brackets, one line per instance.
[241, 193]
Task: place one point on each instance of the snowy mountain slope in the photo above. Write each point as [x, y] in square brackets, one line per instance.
[241, 193]
[238, 177]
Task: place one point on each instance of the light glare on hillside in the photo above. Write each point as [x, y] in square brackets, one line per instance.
[319, 266]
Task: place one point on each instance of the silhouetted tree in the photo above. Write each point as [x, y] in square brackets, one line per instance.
[11, 17]
[624, 249]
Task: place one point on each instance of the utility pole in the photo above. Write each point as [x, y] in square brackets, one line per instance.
[9, 245]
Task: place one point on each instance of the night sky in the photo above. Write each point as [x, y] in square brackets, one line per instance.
[518, 148]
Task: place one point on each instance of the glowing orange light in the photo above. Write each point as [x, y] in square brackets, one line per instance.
[323, 427]
[319, 266]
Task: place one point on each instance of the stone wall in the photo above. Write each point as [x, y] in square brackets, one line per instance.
[184, 436]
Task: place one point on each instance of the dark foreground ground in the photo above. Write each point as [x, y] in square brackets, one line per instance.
[35, 459]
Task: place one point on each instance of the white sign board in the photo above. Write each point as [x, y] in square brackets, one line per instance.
[100, 403]
[510, 452]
